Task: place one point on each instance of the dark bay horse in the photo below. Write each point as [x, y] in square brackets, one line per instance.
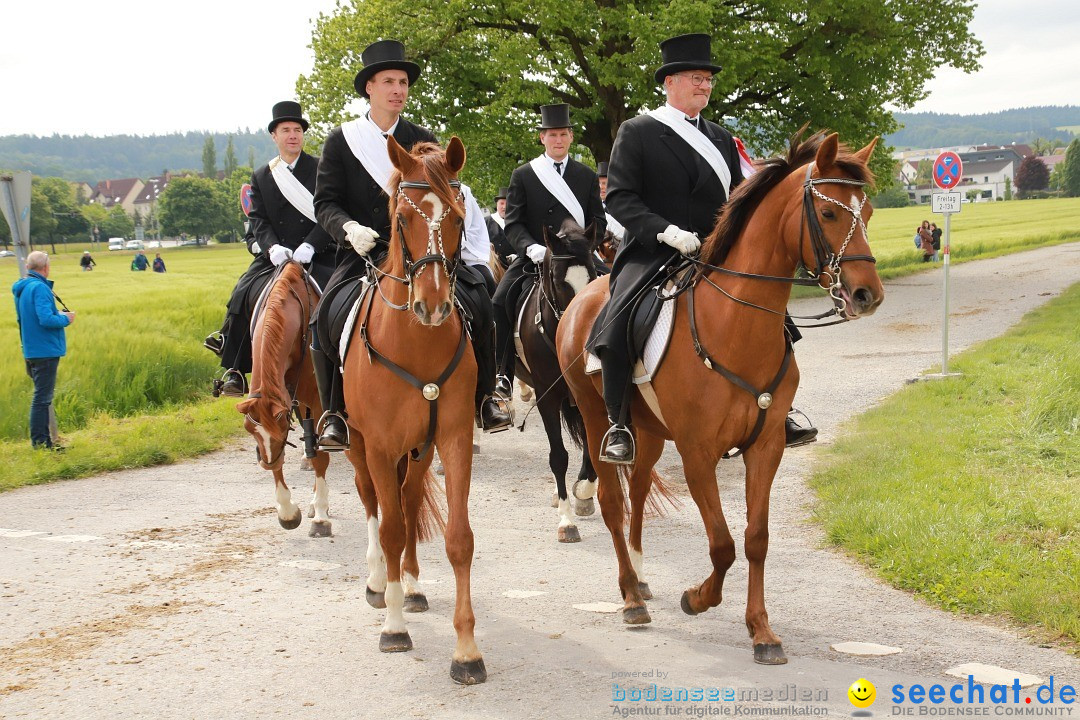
[283, 382]
[566, 270]
[807, 208]
[409, 381]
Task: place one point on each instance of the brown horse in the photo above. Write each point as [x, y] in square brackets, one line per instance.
[283, 382]
[609, 248]
[735, 331]
[409, 384]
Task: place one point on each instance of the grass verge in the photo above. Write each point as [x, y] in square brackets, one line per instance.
[965, 491]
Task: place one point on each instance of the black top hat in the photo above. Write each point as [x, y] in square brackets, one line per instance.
[686, 52]
[554, 116]
[287, 110]
[384, 55]
[601, 169]
[503, 192]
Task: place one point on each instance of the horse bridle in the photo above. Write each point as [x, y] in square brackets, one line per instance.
[435, 252]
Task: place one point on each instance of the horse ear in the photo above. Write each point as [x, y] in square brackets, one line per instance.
[826, 154]
[590, 232]
[455, 155]
[547, 237]
[401, 159]
[867, 151]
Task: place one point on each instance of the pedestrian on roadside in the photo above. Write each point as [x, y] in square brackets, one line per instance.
[935, 232]
[41, 331]
[139, 262]
[87, 262]
[926, 241]
[159, 264]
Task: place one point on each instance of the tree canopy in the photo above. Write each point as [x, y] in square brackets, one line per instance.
[196, 206]
[1070, 181]
[489, 66]
[1032, 175]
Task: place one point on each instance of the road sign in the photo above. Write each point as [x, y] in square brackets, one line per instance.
[946, 202]
[948, 170]
[245, 198]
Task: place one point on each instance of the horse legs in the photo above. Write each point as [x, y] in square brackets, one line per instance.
[558, 461]
[700, 470]
[455, 448]
[585, 486]
[649, 449]
[320, 499]
[761, 462]
[288, 512]
[412, 499]
[375, 589]
[384, 473]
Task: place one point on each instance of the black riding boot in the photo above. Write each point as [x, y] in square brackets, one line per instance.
[335, 433]
[617, 446]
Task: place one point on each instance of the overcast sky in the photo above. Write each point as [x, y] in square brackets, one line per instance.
[146, 67]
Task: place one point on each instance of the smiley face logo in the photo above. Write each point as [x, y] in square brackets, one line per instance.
[862, 693]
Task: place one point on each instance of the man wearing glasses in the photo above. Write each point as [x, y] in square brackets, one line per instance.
[670, 172]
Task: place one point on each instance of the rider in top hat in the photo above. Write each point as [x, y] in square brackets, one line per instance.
[614, 226]
[282, 226]
[352, 205]
[496, 224]
[543, 193]
[671, 171]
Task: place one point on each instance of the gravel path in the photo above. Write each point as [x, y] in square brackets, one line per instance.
[171, 592]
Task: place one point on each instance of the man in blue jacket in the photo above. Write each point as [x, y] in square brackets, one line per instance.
[41, 329]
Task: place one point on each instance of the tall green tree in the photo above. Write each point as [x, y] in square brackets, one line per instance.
[193, 205]
[489, 66]
[70, 223]
[231, 192]
[118, 224]
[209, 158]
[230, 158]
[1070, 181]
[251, 156]
[1031, 175]
[42, 221]
[95, 217]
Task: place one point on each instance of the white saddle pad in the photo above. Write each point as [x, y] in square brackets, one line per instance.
[655, 347]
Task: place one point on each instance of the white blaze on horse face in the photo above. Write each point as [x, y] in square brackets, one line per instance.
[264, 436]
[395, 601]
[436, 214]
[577, 277]
[376, 561]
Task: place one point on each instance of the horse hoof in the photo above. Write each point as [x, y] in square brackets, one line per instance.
[415, 603]
[320, 529]
[584, 489]
[468, 673]
[769, 654]
[376, 600]
[305, 464]
[293, 523]
[643, 588]
[569, 534]
[554, 499]
[685, 604]
[395, 642]
[584, 508]
[638, 615]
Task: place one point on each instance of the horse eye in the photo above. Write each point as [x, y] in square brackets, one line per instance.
[828, 213]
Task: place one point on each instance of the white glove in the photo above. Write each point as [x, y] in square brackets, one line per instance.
[683, 241]
[304, 253]
[279, 254]
[511, 257]
[536, 253]
[255, 249]
[361, 237]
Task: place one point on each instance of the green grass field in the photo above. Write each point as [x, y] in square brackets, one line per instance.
[964, 491]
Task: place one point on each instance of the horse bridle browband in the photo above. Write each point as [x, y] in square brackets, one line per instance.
[435, 252]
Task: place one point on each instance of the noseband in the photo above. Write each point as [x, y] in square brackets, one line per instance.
[435, 252]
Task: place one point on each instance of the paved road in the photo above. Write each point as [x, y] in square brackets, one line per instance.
[172, 592]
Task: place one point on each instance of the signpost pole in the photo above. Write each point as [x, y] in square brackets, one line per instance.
[945, 311]
[948, 172]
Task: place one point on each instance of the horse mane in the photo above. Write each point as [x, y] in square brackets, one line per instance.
[438, 176]
[770, 173]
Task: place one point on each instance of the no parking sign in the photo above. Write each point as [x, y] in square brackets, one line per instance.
[948, 170]
[245, 198]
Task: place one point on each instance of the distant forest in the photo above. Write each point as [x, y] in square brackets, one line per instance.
[90, 159]
[1020, 125]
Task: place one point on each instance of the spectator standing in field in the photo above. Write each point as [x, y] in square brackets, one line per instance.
[926, 241]
[41, 331]
[87, 262]
[159, 264]
[935, 233]
[140, 262]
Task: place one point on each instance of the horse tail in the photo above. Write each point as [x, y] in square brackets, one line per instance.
[573, 422]
[660, 495]
[430, 522]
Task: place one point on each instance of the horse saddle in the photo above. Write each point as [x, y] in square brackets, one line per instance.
[336, 314]
[529, 285]
[259, 290]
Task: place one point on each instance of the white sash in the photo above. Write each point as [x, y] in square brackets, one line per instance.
[293, 190]
[697, 140]
[615, 227]
[499, 220]
[557, 186]
[369, 146]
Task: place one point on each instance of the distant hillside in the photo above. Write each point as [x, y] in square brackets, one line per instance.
[90, 159]
[1020, 125]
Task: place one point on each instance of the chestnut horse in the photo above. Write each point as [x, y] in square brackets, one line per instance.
[728, 343]
[409, 382]
[283, 382]
[565, 271]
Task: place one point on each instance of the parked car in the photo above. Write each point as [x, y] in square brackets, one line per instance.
[153, 244]
[133, 245]
[116, 243]
[6, 253]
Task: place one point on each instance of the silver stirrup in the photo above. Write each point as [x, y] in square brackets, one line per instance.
[320, 426]
[604, 444]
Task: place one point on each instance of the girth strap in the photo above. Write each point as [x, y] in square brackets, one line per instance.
[764, 399]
